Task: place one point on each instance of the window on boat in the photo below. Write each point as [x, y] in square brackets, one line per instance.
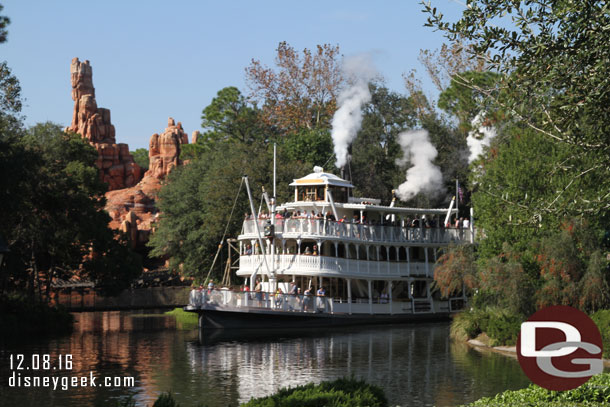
[311, 193]
[339, 194]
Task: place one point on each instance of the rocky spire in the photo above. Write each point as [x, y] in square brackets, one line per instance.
[117, 166]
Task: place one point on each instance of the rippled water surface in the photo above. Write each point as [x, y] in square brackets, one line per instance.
[415, 364]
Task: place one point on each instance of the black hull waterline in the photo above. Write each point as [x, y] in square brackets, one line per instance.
[210, 318]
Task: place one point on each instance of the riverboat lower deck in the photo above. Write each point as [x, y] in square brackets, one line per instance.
[253, 310]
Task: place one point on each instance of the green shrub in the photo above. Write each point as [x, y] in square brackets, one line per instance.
[503, 328]
[339, 393]
[500, 325]
[602, 319]
[596, 392]
[468, 324]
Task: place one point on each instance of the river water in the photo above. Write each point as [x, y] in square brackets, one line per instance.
[416, 365]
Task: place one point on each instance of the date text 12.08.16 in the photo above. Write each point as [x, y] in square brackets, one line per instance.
[40, 362]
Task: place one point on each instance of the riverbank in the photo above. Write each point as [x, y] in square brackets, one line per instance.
[481, 344]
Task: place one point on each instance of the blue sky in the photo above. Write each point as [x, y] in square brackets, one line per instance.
[155, 59]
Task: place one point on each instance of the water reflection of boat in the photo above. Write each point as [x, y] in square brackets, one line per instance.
[329, 259]
[415, 365]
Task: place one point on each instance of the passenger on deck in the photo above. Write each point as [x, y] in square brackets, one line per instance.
[210, 286]
[315, 250]
[258, 295]
[307, 251]
[320, 301]
[248, 250]
[307, 299]
[279, 297]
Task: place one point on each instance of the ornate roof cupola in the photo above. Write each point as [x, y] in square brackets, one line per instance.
[316, 186]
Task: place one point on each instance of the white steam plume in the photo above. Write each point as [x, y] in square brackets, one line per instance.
[475, 142]
[423, 176]
[359, 71]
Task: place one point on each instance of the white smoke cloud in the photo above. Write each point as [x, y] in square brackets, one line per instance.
[475, 142]
[423, 176]
[359, 71]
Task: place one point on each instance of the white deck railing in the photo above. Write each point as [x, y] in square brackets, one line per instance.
[361, 232]
[239, 300]
[290, 264]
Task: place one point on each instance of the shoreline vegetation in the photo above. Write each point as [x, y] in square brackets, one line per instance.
[496, 328]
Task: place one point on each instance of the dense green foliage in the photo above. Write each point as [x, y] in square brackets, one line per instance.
[196, 203]
[338, 393]
[500, 325]
[540, 191]
[52, 206]
[544, 49]
[602, 320]
[140, 156]
[54, 216]
[595, 392]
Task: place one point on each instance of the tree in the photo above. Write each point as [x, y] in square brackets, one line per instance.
[544, 49]
[375, 150]
[311, 147]
[55, 218]
[140, 156]
[464, 102]
[572, 268]
[4, 21]
[456, 271]
[231, 118]
[301, 92]
[442, 66]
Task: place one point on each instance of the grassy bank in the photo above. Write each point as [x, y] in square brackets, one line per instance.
[20, 316]
[596, 392]
[184, 320]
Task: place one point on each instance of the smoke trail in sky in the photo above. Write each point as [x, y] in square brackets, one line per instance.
[359, 71]
[423, 176]
[475, 142]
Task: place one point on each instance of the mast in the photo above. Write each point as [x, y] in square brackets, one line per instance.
[273, 200]
[258, 233]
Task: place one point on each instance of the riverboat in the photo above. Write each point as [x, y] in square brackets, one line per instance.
[330, 259]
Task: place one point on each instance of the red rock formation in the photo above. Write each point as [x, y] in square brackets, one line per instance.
[195, 136]
[164, 150]
[116, 164]
[133, 209]
[131, 198]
